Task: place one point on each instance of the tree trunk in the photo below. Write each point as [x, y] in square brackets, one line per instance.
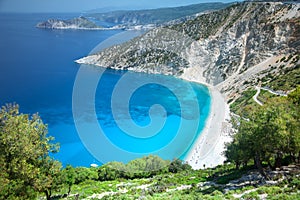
[69, 190]
[259, 165]
[237, 165]
[48, 195]
[245, 164]
[271, 166]
[278, 160]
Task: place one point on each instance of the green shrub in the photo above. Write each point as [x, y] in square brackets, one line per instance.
[177, 166]
[84, 174]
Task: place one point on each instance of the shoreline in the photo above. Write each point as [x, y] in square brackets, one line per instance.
[208, 149]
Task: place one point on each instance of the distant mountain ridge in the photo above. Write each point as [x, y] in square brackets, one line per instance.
[128, 19]
[155, 16]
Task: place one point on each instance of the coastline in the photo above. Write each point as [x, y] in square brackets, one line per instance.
[208, 149]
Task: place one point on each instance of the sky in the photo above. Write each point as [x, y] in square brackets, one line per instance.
[86, 5]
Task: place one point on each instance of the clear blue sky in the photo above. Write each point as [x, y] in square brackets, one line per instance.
[84, 5]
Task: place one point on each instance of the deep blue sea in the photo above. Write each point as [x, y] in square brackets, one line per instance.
[96, 115]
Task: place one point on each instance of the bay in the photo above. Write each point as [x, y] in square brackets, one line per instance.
[37, 71]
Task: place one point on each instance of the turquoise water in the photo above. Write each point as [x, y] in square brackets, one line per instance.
[37, 71]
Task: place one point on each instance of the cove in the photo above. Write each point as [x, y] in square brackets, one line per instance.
[38, 72]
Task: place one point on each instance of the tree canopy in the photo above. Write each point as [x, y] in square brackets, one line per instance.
[25, 165]
[271, 134]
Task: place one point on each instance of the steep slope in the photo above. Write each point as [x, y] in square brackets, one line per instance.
[155, 16]
[225, 48]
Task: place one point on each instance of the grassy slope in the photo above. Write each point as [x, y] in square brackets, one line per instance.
[166, 186]
[285, 76]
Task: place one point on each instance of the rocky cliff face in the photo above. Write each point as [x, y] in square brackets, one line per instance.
[221, 48]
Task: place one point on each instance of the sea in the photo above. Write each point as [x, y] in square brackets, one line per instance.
[97, 115]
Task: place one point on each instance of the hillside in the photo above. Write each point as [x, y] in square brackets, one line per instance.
[222, 182]
[232, 49]
[155, 16]
[132, 19]
[76, 23]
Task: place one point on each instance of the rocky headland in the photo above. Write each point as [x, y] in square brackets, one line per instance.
[230, 48]
[76, 23]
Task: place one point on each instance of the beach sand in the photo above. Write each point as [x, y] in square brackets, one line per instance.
[209, 147]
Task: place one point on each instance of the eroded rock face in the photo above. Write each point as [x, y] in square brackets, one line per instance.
[217, 48]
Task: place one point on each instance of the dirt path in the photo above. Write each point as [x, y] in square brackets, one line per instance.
[256, 95]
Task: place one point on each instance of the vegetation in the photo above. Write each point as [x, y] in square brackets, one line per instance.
[153, 59]
[265, 96]
[243, 105]
[197, 28]
[284, 75]
[140, 168]
[171, 185]
[287, 80]
[26, 167]
[271, 134]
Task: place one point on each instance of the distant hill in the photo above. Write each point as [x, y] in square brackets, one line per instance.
[155, 16]
[126, 19]
[76, 23]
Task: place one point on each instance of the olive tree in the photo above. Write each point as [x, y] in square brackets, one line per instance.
[25, 165]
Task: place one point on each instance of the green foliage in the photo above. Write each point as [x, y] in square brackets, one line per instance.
[270, 134]
[265, 96]
[244, 104]
[222, 174]
[295, 183]
[251, 196]
[84, 174]
[295, 96]
[111, 171]
[26, 167]
[177, 166]
[287, 80]
[69, 177]
[165, 186]
[140, 168]
[292, 196]
[147, 166]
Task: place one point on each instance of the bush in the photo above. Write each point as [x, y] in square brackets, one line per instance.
[177, 166]
[84, 174]
[295, 183]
